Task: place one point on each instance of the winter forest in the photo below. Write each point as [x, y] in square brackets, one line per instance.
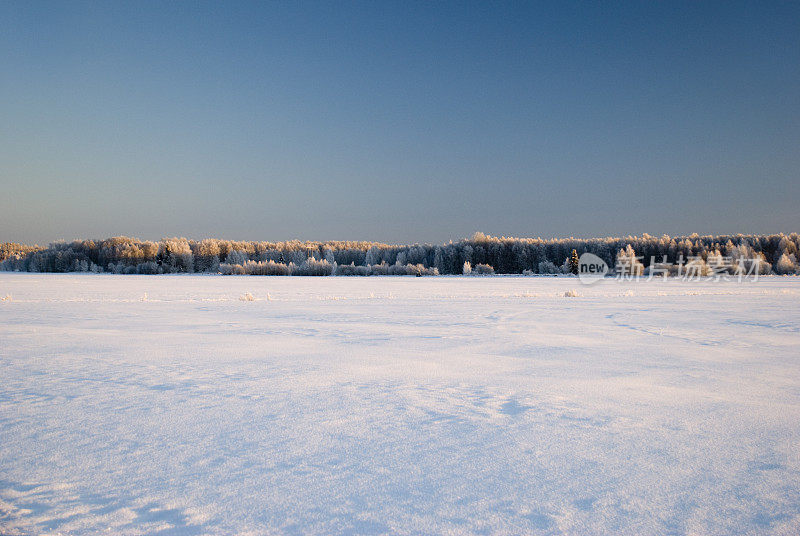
[480, 254]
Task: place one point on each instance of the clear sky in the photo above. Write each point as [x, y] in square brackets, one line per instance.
[399, 122]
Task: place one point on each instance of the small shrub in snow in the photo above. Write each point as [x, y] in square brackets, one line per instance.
[379, 269]
[149, 267]
[411, 269]
[352, 269]
[313, 266]
[231, 269]
[420, 270]
[397, 269]
[483, 269]
[257, 268]
[268, 268]
[547, 267]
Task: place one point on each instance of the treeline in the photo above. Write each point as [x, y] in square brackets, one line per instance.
[481, 253]
[11, 249]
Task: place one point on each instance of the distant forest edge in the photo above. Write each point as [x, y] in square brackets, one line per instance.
[482, 254]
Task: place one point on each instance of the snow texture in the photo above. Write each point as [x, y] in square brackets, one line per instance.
[498, 405]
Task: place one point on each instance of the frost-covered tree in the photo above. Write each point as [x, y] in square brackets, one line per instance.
[372, 256]
[787, 264]
[627, 263]
[547, 267]
[236, 257]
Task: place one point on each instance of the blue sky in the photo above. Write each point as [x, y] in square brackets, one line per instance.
[398, 122]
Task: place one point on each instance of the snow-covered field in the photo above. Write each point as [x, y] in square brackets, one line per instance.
[169, 405]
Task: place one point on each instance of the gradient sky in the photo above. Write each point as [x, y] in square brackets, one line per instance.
[399, 122]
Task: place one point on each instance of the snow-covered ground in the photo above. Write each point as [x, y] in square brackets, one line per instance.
[169, 405]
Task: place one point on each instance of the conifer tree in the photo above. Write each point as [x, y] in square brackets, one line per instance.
[574, 262]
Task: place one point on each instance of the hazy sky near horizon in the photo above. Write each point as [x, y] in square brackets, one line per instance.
[397, 121]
